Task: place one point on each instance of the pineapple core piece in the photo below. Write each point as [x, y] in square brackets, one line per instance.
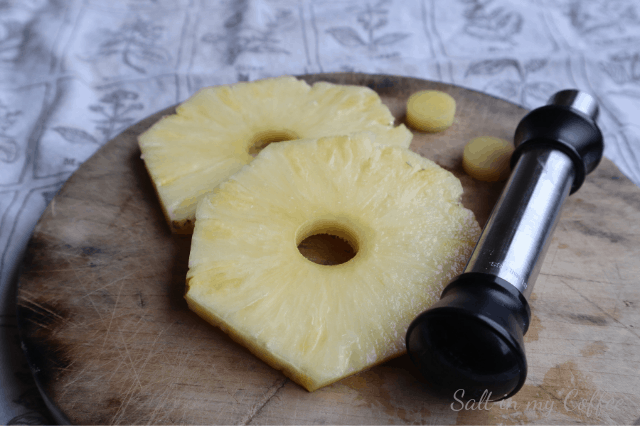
[220, 129]
[487, 158]
[430, 111]
[400, 213]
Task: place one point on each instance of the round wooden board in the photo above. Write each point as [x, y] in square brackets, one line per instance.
[110, 339]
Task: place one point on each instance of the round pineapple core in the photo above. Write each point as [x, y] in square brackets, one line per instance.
[487, 158]
[430, 111]
[220, 129]
[318, 323]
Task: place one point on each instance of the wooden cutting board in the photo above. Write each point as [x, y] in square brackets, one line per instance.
[110, 339]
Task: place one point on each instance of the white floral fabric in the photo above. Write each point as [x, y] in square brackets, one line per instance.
[75, 73]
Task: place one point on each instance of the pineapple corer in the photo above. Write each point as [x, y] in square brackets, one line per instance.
[470, 344]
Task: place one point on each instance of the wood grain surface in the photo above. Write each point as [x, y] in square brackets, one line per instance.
[110, 339]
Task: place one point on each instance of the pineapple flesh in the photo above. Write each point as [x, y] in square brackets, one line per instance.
[400, 212]
[431, 111]
[220, 129]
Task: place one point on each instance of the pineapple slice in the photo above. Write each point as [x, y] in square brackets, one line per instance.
[400, 212]
[220, 129]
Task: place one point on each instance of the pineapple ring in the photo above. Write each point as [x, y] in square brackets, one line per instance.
[318, 323]
[220, 129]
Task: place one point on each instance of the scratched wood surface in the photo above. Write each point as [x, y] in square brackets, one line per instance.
[111, 341]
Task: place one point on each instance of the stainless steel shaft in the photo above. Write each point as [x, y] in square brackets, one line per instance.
[518, 232]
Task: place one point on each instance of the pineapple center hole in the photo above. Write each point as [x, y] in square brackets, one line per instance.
[266, 137]
[329, 245]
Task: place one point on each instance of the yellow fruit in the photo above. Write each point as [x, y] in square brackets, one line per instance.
[220, 129]
[430, 111]
[487, 158]
[401, 214]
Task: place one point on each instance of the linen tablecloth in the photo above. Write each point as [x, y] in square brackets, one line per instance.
[73, 74]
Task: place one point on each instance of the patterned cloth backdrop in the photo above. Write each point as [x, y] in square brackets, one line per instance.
[73, 74]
